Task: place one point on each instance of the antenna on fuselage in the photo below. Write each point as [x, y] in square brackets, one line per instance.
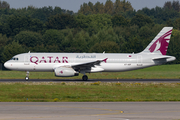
[29, 52]
[104, 52]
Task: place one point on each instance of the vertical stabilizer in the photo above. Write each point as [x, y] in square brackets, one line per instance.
[159, 44]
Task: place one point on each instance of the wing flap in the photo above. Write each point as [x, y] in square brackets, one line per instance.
[88, 65]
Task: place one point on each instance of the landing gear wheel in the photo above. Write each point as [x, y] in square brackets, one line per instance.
[85, 78]
[26, 78]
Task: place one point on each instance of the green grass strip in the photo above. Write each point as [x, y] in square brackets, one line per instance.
[88, 92]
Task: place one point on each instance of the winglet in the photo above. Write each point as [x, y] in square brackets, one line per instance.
[105, 60]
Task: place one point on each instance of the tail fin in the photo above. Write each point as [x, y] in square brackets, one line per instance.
[159, 44]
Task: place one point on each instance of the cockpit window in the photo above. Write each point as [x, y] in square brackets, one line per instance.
[15, 59]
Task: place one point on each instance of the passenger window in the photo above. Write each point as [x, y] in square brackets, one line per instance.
[15, 59]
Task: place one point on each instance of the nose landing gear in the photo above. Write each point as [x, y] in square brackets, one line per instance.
[27, 76]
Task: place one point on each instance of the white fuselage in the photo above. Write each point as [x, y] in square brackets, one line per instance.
[114, 63]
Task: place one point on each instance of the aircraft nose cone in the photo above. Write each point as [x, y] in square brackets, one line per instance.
[7, 65]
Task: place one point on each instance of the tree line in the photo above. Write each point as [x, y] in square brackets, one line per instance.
[110, 27]
[108, 8]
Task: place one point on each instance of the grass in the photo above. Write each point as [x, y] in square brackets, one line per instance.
[88, 92]
[93, 92]
[156, 72]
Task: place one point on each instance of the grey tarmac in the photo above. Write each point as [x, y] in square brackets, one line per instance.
[90, 110]
[92, 80]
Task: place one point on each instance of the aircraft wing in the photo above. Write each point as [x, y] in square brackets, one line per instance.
[87, 65]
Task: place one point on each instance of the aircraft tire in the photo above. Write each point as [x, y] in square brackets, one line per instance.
[26, 78]
[85, 78]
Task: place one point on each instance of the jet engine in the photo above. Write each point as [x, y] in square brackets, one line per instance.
[65, 72]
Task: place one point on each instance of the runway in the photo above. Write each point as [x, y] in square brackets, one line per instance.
[92, 80]
[90, 111]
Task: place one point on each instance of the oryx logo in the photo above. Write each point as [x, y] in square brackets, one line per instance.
[61, 72]
[161, 44]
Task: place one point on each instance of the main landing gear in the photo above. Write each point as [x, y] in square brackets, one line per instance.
[27, 76]
[85, 78]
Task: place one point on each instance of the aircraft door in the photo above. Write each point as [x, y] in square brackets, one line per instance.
[26, 60]
[139, 60]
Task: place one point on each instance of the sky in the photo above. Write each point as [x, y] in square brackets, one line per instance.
[74, 5]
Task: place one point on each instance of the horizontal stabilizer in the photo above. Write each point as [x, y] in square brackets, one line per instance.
[167, 58]
[162, 57]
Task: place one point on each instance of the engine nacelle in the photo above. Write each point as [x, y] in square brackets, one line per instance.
[65, 72]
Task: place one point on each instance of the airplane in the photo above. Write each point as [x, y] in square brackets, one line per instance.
[72, 64]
